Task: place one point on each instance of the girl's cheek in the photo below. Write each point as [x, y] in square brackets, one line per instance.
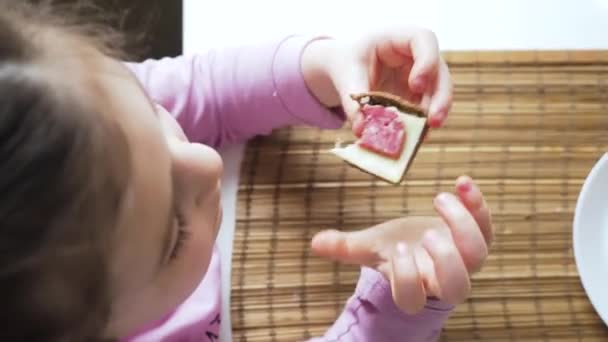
[170, 125]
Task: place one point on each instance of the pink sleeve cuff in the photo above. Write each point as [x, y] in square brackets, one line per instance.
[293, 92]
[374, 288]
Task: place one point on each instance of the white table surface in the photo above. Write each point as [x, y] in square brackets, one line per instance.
[459, 25]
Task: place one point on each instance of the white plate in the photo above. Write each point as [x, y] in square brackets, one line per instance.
[590, 236]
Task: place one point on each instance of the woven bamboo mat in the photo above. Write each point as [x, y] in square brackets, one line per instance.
[528, 126]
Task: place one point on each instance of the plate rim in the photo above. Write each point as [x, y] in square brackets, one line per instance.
[602, 311]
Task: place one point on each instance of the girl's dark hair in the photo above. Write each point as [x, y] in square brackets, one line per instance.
[64, 168]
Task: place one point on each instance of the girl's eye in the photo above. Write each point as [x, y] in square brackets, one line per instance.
[182, 237]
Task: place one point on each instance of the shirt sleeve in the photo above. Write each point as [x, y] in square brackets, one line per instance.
[371, 315]
[230, 95]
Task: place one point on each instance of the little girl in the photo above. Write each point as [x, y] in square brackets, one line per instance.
[109, 182]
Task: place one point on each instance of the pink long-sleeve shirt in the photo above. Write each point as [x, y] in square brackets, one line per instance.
[228, 96]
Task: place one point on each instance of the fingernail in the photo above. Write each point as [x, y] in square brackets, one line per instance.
[401, 249]
[448, 203]
[435, 122]
[443, 199]
[439, 114]
[433, 237]
[420, 84]
[438, 118]
[464, 186]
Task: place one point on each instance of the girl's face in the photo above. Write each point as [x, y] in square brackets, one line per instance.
[163, 244]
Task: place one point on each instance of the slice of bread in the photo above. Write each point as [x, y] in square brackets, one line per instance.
[416, 127]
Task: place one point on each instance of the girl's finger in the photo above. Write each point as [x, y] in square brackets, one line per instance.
[473, 200]
[407, 286]
[442, 96]
[450, 271]
[466, 234]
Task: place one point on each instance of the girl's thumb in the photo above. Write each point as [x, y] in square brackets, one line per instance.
[352, 78]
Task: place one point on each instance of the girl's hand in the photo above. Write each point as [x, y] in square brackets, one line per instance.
[422, 256]
[405, 62]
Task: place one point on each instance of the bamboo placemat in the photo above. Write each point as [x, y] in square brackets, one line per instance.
[528, 126]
